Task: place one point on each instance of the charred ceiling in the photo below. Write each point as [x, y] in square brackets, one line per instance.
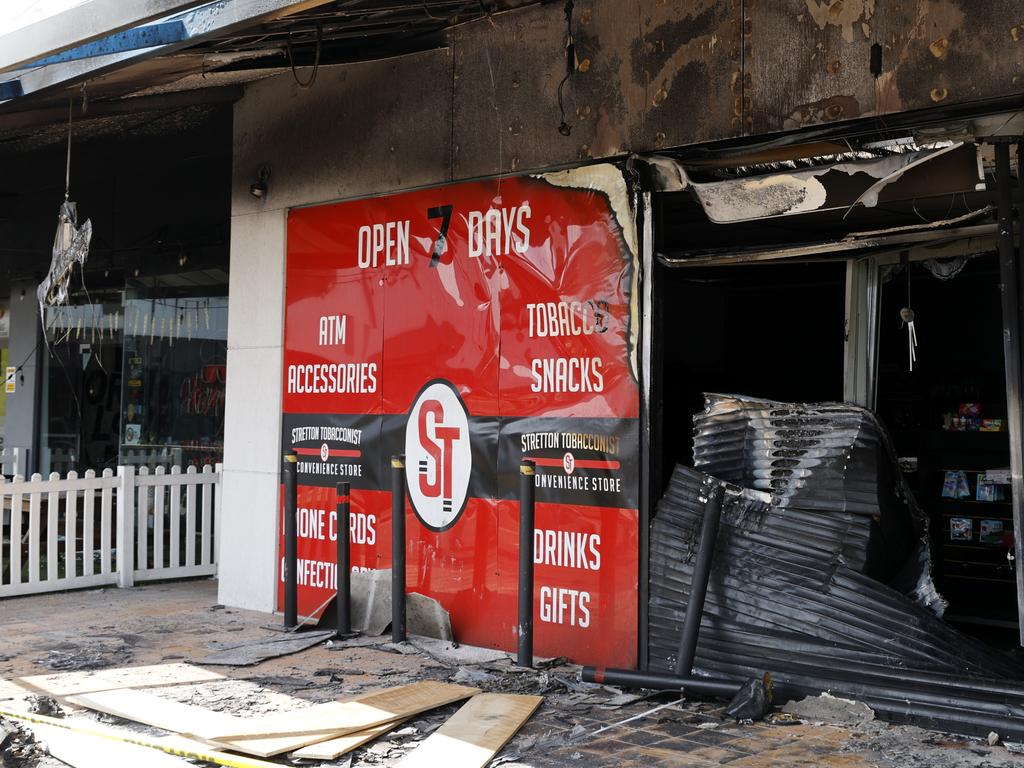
[209, 47]
[650, 75]
[822, 199]
[352, 30]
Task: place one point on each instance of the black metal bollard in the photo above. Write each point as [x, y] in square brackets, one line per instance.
[699, 582]
[291, 539]
[344, 599]
[398, 548]
[527, 492]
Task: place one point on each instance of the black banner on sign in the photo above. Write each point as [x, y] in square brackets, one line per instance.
[333, 448]
[590, 462]
[584, 461]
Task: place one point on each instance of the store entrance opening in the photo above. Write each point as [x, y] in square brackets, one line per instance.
[947, 418]
[776, 332]
[768, 331]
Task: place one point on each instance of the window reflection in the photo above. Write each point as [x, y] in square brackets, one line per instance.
[175, 356]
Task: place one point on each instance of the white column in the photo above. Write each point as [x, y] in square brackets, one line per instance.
[252, 418]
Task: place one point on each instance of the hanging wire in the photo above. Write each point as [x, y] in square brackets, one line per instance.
[316, 58]
[67, 166]
[907, 318]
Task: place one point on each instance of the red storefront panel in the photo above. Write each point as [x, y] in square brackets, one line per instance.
[468, 327]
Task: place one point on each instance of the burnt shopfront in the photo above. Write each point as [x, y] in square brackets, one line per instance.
[658, 247]
[831, 341]
[835, 337]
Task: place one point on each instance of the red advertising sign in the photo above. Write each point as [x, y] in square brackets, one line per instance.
[468, 327]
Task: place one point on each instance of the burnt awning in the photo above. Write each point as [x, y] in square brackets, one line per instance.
[124, 48]
[821, 200]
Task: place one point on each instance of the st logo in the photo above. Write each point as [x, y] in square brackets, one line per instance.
[438, 459]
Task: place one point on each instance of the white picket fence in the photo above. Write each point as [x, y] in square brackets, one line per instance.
[137, 525]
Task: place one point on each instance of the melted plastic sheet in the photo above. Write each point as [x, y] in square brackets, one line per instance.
[798, 583]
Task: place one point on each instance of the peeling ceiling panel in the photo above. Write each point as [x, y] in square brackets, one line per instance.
[945, 170]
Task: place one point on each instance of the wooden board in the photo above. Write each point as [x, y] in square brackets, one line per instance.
[83, 750]
[281, 732]
[172, 745]
[332, 748]
[71, 683]
[188, 719]
[147, 708]
[475, 734]
[11, 690]
[344, 717]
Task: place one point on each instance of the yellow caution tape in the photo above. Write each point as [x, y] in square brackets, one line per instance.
[220, 758]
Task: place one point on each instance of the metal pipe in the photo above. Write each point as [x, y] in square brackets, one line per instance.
[1009, 287]
[291, 539]
[699, 582]
[1017, 509]
[398, 548]
[527, 494]
[630, 678]
[650, 423]
[344, 599]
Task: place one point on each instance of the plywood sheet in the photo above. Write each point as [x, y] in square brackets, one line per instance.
[476, 733]
[71, 683]
[11, 690]
[332, 748]
[83, 750]
[143, 707]
[282, 732]
[147, 708]
[350, 716]
[175, 745]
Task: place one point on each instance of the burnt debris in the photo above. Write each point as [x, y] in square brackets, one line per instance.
[820, 573]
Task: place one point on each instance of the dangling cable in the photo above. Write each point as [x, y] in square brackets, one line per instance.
[316, 57]
[67, 167]
[67, 193]
[907, 317]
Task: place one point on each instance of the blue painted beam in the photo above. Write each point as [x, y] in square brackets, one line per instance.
[83, 24]
[220, 18]
[148, 36]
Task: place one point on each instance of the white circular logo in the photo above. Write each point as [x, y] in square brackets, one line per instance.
[325, 452]
[568, 463]
[438, 460]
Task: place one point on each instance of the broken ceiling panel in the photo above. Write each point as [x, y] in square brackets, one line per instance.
[951, 169]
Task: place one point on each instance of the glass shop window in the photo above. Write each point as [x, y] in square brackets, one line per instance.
[175, 354]
[81, 384]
